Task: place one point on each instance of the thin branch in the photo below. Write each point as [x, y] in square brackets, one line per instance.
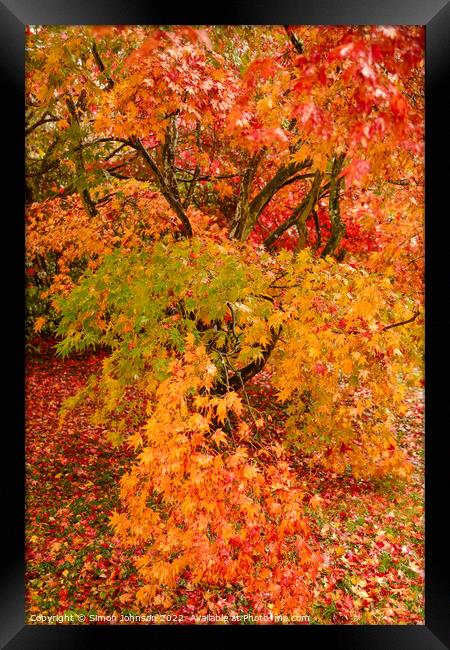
[296, 178]
[402, 181]
[298, 45]
[233, 320]
[337, 226]
[205, 178]
[247, 400]
[165, 190]
[325, 190]
[106, 198]
[51, 165]
[101, 66]
[43, 120]
[415, 259]
[403, 322]
[44, 169]
[284, 286]
[300, 214]
[237, 373]
[84, 145]
[113, 153]
[227, 379]
[85, 195]
[192, 184]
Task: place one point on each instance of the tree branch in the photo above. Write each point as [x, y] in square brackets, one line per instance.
[86, 199]
[403, 322]
[204, 178]
[101, 66]
[242, 207]
[300, 214]
[245, 374]
[43, 120]
[168, 156]
[318, 231]
[248, 213]
[296, 178]
[165, 190]
[337, 227]
[401, 181]
[298, 45]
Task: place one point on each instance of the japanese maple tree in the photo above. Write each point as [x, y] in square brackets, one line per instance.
[205, 202]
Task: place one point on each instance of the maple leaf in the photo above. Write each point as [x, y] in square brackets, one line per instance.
[39, 323]
[355, 171]
[316, 501]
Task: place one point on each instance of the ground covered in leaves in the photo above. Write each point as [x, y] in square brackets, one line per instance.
[370, 534]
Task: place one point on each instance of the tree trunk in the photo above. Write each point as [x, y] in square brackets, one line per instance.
[337, 226]
[164, 188]
[248, 213]
[242, 213]
[300, 214]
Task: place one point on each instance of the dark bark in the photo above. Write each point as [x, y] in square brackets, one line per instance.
[196, 174]
[240, 377]
[203, 178]
[86, 199]
[101, 66]
[318, 231]
[337, 226]
[403, 322]
[168, 157]
[192, 184]
[248, 213]
[242, 207]
[298, 45]
[43, 120]
[164, 188]
[300, 214]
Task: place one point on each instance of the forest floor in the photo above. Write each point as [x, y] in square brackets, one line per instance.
[371, 534]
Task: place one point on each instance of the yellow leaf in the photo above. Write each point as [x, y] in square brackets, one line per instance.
[250, 471]
[39, 324]
[316, 501]
[222, 410]
[219, 436]
[125, 598]
[314, 353]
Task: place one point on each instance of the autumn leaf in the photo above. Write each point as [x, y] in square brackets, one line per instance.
[39, 323]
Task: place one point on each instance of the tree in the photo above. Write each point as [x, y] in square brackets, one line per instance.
[207, 202]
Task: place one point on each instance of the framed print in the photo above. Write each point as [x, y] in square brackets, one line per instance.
[228, 408]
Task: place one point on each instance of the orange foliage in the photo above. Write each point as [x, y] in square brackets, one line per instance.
[195, 502]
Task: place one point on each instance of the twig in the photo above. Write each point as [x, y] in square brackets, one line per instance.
[403, 322]
[228, 390]
[298, 45]
[245, 394]
[233, 321]
[43, 120]
[101, 65]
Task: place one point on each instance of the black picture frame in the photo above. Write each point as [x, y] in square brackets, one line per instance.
[435, 15]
